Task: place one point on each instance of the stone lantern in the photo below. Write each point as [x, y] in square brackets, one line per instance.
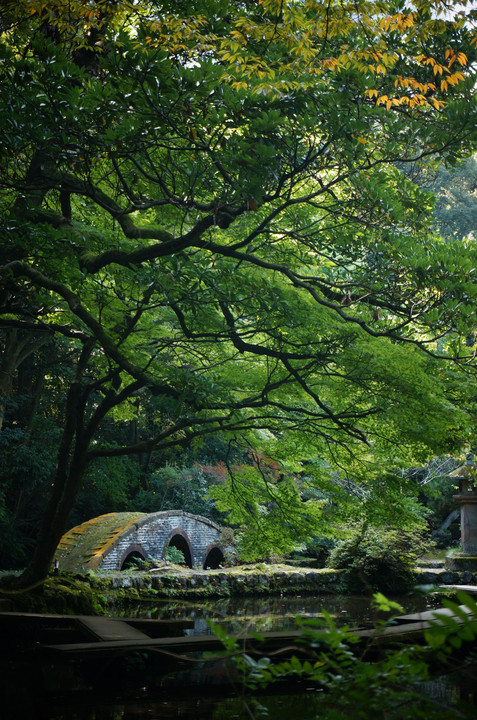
[467, 498]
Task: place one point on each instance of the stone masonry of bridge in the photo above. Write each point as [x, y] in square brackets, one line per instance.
[107, 542]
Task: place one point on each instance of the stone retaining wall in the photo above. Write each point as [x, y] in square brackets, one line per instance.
[217, 583]
[148, 586]
[438, 576]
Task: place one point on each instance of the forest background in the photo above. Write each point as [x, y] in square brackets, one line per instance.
[235, 278]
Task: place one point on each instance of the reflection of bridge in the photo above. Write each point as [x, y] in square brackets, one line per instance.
[111, 542]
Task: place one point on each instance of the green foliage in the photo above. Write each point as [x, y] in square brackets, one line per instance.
[174, 555]
[450, 631]
[379, 560]
[353, 684]
[107, 487]
[171, 488]
[455, 189]
[436, 493]
[134, 562]
[315, 553]
[267, 510]
[383, 604]
[62, 594]
[26, 467]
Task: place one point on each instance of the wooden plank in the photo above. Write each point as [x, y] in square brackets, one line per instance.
[106, 628]
[189, 643]
[41, 628]
[433, 615]
[393, 630]
[37, 616]
[117, 635]
[42, 617]
[207, 643]
[470, 589]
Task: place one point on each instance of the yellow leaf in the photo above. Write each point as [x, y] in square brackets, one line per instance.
[437, 103]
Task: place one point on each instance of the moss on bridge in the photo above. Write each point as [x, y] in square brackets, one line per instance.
[83, 546]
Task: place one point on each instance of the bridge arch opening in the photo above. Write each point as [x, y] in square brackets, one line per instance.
[179, 540]
[132, 559]
[214, 559]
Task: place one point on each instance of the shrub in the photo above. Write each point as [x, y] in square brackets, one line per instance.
[379, 560]
[174, 555]
[314, 554]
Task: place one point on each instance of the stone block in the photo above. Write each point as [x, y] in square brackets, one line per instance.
[426, 577]
[461, 562]
[313, 578]
[465, 578]
[448, 578]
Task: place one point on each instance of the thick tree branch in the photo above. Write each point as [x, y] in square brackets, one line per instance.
[19, 269]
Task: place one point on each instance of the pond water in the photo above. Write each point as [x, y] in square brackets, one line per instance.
[307, 705]
[193, 694]
[268, 612]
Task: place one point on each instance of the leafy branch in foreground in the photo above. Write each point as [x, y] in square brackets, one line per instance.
[348, 677]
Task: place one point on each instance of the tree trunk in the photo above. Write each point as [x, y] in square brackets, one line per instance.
[71, 465]
[53, 526]
[30, 384]
[16, 348]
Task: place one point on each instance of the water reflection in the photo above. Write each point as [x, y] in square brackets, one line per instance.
[271, 613]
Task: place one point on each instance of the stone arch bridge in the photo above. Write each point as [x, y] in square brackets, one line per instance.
[112, 541]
